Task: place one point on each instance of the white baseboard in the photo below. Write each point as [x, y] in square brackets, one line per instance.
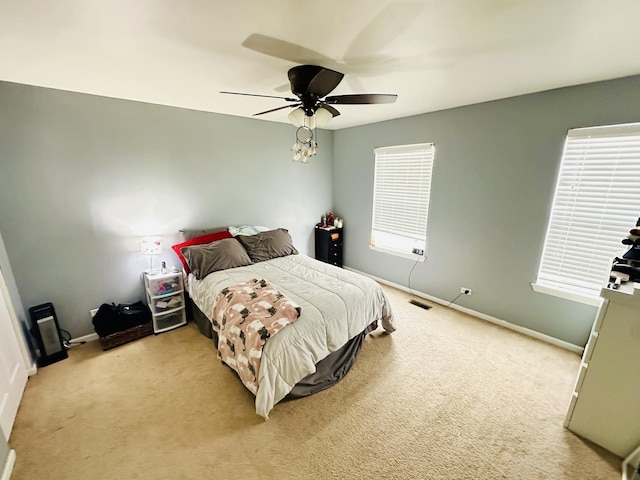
[8, 466]
[85, 338]
[631, 461]
[503, 323]
[33, 369]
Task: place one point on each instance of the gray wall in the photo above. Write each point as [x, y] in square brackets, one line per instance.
[494, 175]
[83, 178]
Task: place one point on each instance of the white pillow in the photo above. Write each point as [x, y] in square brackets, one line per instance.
[247, 230]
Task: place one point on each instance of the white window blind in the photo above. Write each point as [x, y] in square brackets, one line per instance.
[597, 201]
[402, 187]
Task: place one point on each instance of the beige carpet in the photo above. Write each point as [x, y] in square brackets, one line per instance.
[447, 396]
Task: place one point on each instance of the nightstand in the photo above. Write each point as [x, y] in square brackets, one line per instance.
[165, 297]
[329, 245]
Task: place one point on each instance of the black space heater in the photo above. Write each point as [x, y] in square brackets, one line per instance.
[46, 330]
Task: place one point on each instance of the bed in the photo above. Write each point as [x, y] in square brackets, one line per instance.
[337, 309]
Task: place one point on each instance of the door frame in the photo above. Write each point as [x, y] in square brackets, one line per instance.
[18, 374]
[27, 361]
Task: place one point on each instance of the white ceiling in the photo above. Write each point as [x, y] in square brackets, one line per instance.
[435, 54]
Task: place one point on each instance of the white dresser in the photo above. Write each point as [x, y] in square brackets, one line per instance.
[605, 406]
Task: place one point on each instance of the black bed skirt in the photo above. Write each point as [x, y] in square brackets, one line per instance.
[329, 371]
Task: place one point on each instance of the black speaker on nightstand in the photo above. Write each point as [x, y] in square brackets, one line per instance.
[46, 330]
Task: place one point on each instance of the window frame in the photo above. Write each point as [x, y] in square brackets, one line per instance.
[415, 200]
[595, 164]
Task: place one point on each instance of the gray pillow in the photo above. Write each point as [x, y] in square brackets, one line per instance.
[214, 256]
[267, 245]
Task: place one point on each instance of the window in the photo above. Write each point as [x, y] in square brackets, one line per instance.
[596, 203]
[401, 190]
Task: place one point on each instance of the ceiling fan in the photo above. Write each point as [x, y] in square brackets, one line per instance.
[311, 84]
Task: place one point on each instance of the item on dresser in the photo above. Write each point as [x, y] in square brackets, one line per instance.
[330, 218]
[616, 278]
[629, 270]
[627, 267]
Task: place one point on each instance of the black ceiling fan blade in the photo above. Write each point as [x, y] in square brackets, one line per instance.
[324, 82]
[329, 108]
[361, 99]
[288, 99]
[313, 79]
[276, 109]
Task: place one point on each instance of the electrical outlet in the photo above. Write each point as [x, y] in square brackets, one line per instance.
[418, 251]
[465, 290]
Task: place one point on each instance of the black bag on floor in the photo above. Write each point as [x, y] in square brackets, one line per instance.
[111, 318]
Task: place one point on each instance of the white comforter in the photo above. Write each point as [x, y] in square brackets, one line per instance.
[336, 306]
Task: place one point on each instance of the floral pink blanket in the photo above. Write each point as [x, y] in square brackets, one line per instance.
[245, 316]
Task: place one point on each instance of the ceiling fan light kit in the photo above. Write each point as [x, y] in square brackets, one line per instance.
[305, 145]
[320, 118]
[311, 84]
